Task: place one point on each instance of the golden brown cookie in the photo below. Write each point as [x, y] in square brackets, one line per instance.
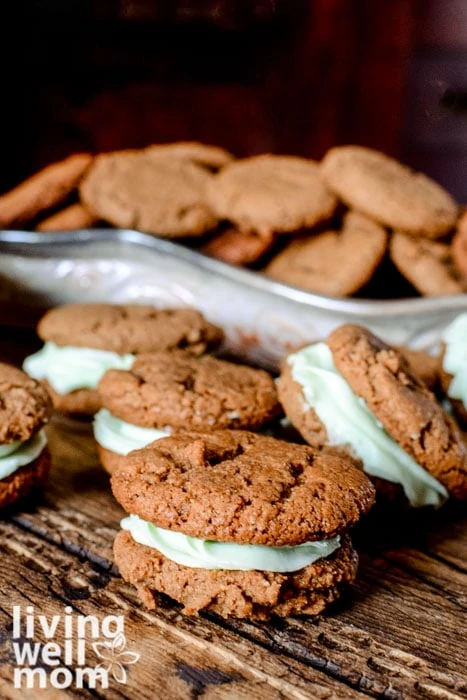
[176, 390]
[238, 247]
[242, 594]
[426, 264]
[211, 157]
[44, 190]
[389, 192]
[238, 486]
[76, 216]
[271, 193]
[132, 328]
[334, 263]
[157, 194]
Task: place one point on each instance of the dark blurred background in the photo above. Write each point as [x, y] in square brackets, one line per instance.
[285, 76]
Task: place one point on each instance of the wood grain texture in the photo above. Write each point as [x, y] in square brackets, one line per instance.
[398, 634]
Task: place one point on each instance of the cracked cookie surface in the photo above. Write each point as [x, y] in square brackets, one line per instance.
[176, 390]
[236, 486]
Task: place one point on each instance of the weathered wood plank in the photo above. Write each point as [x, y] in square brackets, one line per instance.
[399, 635]
[180, 658]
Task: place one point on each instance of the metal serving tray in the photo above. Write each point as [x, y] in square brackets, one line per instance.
[263, 319]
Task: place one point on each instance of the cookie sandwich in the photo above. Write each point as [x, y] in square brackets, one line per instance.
[355, 391]
[83, 341]
[24, 410]
[169, 392]
[239, 524]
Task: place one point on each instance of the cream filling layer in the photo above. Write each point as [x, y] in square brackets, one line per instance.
[455, 357]
[348, 421]
[121, 437]
[208, 554]
[21, 453]
[68, 368]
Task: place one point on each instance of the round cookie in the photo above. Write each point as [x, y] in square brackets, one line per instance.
[244, 594]
[389, 192]
[426, 264]
[24, 405]
[404, 405]
[334, 263]
[129, 328]
[25, 479]
[159, 194]
[271, 193]
[211, 157]
[237, 486]
[176, 390]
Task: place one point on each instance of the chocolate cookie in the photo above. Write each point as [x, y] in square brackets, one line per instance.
[237, 486]
[24, 405]
[84, 340]
[159, 194]
[401, 403]
[24, 409]
[43, 191]
[426, 264]
[334, 263]
[389, 192]
[180, 391]
[271, 193]
[245, 594]
[231, 488]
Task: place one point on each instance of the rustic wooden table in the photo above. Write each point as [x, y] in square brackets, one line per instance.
[400, 633]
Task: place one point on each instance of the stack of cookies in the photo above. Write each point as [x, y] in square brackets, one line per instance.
[239, 524]
[357, 392]
[220, 515]
[330, 228]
